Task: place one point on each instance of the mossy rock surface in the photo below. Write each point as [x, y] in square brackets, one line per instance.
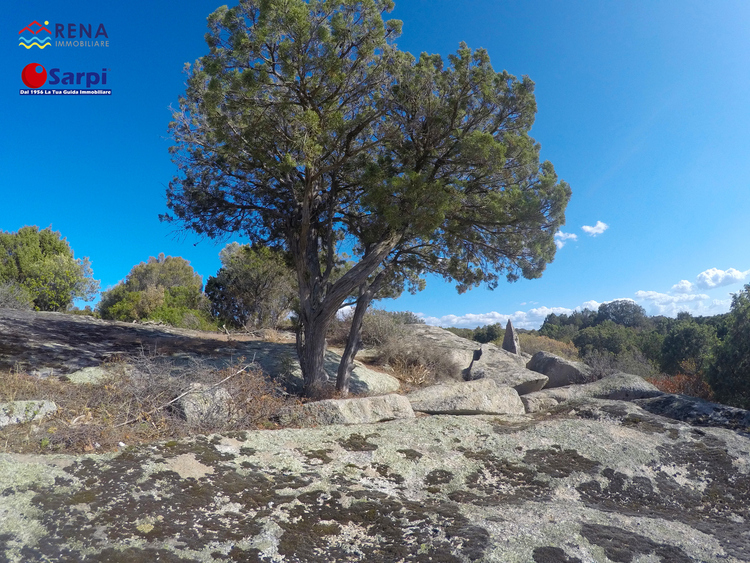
[593, 480]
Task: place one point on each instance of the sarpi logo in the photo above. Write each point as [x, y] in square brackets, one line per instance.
[35, 39]
[35, 76]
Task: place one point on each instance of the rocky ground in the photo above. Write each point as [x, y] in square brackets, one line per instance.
[572, 476]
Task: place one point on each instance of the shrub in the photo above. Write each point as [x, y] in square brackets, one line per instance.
[729, 372]
[683, 384]
[137, 404]
[533, 343]
[688, 341]
[603, 363]
[165, 289]
[466, 333]
[14, 296]
[255, 287]
[418, 365]
[379, 327]
[43, 263]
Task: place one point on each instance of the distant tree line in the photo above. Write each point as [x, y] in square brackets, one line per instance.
[705, 356]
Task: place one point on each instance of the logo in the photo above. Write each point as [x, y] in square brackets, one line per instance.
[35, 40]
[34, 75]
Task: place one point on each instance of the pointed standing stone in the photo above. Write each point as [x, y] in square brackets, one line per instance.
[510, 342]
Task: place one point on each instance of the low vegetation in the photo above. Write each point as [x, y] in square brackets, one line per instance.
[140, 401]
[386, 333]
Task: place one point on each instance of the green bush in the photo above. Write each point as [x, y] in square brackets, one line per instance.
[729, 372]
[255, 287]
[42, 262]
[165, 289]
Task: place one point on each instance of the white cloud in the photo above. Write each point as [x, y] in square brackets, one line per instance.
[669, 305]
[656, 297]
[531, 319]
[714, 277]
[562, 238]
[597, 229]
[591, 305]
[683, 286]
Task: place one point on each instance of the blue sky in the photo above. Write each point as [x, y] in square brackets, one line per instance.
[643, 108]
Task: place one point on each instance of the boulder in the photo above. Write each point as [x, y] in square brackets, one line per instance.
[697, 412]
[560, 371]
[521, 379]
[16, 412]
[460, 349]
[510, 341]
[361, 410]
[483, 396]
[92, 375]
[618, 386]
[206, 405]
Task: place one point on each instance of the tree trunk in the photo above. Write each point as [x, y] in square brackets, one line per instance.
[354, 340]
[353, 345]
[319, 303]
[311, 352]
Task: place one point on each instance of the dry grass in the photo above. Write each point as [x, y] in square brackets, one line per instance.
[683, 384]
[533, 343]
[418, 364]
[138, 403]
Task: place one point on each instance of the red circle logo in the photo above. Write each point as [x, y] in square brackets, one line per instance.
[34, 75]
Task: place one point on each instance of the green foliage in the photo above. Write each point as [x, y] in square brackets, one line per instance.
[44, 265]
[564, 327]
[304, 125]
[687, 342]
[163, 289]
[407, 317]
[607, 336]
[622, 312]
[729, 374]
[467, 333]
[603, 362]
[255, 287]
[489, 333]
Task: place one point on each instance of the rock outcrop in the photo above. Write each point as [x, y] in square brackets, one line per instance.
[483, 396]
[618, 386]
[560, 371]
[597, 481]
[16, 412]
[697, 411]
[460, 349]
[75, 346]
[364, 410]
[510, 340]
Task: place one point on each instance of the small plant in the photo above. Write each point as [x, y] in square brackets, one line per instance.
[14, 296]
[533, 343]
[419, 364]
[692, 385]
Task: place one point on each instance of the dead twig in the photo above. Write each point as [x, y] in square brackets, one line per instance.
[181, 395]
